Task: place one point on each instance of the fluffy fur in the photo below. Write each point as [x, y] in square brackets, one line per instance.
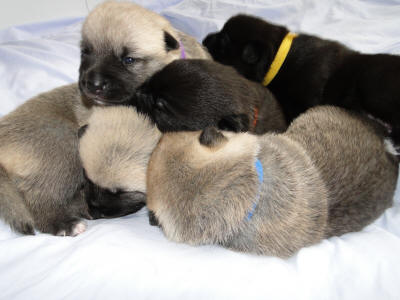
[328, 174]
[316, 71]
[192, 94]
[41, 177]
[115, 148]
[122, 45]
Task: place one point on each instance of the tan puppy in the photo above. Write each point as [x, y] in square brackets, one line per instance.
[115, 148]
[122, 45]
[329, 174]
[41, 176]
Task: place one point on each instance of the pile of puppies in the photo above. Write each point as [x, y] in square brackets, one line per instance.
[155, 120]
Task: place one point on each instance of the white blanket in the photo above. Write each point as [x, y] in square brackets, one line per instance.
[126, 258]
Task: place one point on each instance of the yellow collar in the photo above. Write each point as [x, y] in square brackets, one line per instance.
[279, 58]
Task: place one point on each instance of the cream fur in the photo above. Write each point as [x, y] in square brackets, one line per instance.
[116, 147]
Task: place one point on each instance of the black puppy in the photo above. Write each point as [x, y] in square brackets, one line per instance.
[193, 94]
[315, 71]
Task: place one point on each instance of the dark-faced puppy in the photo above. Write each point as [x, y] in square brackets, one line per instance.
[315, 71]
[114, 149]
[193, 94]
[122, 45]
[330, 173]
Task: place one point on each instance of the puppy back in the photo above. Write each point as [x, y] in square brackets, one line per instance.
[199, 194]
[351, 155]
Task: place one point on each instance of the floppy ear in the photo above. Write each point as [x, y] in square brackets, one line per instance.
[170, 42]
[211, 137]
[251, 53]
[235, 123]
[82, 130]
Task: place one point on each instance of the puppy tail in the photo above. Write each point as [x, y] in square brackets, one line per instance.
[12, 206]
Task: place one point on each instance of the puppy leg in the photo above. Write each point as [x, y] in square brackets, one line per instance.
[12, 206]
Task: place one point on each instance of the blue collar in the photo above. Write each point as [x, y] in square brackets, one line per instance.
[260, 173]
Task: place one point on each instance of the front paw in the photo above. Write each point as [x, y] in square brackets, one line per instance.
[71, 227]
[23, 227]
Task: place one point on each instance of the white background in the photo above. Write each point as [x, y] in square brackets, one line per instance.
[16, 12]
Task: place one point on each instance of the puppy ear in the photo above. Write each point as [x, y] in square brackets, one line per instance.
[224, 40]
[251, 53]
[235, 123]
[170, 42]
[82, 130]
[211, 137]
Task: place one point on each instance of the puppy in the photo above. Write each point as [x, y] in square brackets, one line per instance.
[41, 177]
[115, 148]
[42, 185]
[195, 93]
[315, 71]
[122, 45]
[328, 174]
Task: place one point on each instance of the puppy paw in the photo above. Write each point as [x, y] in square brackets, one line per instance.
[235, 123]
[23, 227]
[71, 228]
[143, 101]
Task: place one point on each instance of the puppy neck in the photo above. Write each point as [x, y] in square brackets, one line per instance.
[255, 119]
[280, 57]
[183, 53]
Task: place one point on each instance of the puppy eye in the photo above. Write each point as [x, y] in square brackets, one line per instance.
[86, 51]
[127, 60]
[160, 104]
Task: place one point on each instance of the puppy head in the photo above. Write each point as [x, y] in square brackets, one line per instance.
[247, 43]
[115, 148]
[189, 95]
[122, 45]
[201, 184]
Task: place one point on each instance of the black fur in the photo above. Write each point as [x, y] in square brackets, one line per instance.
[194, 94]
[316, 71]
[103, 203]
[170, 42]
[103, 77]
[153, 221]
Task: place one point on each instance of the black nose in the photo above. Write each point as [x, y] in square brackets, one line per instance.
[96, 83]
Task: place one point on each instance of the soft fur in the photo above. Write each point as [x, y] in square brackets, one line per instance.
[328, 174]
[115, 148]
[192, 94]
[122, 45]
[41, 178]
[316, 71]
[42, 183]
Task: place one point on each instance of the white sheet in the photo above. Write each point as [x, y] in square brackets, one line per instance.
[126, 258]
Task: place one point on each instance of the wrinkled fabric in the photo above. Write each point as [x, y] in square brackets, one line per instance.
[126, 258]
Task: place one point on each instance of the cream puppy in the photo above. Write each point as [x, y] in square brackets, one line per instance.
[123, 44]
